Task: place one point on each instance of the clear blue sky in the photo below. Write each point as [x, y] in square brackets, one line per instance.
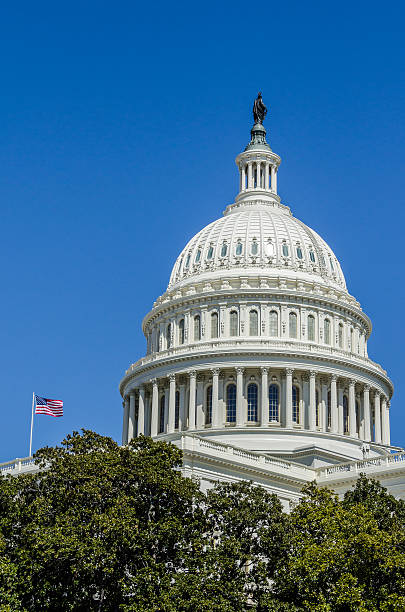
[120, 123]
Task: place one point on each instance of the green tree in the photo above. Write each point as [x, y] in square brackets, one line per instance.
[104, 527]
[100, 528]
[345, 555]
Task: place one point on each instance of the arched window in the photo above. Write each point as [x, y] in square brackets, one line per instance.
[188, 260]
[181, 332]
[210, 252]
[162, 414]
[224, 249]
[198, 256]
[345, 415]
[214, 325]
[317, 408]
[158, 341]
[197, 328]
[169, 335]
[326, 331]
[177, 410]
[253, 323]
[273, 323]
[299, 252]
[329, 410]
[252, 402]
[312, 256]
[254, 248]
[295, 404]
[239, 248]
[311, 328]
[340, 335]
[285, 249]
[208, 406]
[273, 403]
[233, 323]
[293, 325]
[352, 340]
[231, 403]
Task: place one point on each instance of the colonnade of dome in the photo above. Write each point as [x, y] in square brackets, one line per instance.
[257, 397]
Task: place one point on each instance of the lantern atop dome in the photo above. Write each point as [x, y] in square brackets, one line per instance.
[258, 165]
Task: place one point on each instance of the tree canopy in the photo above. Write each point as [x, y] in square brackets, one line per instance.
[104, 527]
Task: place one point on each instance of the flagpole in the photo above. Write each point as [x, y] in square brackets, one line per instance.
[32, 421]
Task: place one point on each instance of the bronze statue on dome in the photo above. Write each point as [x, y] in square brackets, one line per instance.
[259, 109]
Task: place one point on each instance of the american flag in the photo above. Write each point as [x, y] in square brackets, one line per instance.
[48, 406]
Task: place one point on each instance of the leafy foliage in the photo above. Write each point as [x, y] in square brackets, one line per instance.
[103, 527]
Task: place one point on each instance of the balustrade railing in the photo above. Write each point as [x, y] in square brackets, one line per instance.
[265, 461]
[16, 465]
[360, 465]
[274, 343]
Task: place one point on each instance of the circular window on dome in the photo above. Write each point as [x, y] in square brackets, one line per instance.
[299, 252]
[255, 247]
[224, 249]
[239, 248]
[285, 249]
[198, 256]
[269, 248]
[210, 252]
[188, 260]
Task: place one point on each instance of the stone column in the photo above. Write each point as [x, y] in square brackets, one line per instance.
[240, 418]
[216, 422]
[191, 403]
[288, 398]
[304, 417]
[266, 176]
[340, 411]
[250, 181]
[243, 178]
[324, 395]
[273, 177]
[275, 181]
[200, 403]
[182, 415]
[367, 415]
[384, 420]
[264, 412]
[352, 409]
[258, 169]
[125, 420]
[388, 432]
[172, 402]
[377, 418]
[221, 401]
[155, 408]
[312, 401]
[131, 423]
[334, 426]
[166, 419]
[141, 411]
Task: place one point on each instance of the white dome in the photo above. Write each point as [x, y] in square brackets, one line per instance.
[261, 238]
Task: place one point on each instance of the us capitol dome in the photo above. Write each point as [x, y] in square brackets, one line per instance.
[256, 362]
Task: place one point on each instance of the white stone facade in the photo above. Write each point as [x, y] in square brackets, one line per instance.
[257, 351]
